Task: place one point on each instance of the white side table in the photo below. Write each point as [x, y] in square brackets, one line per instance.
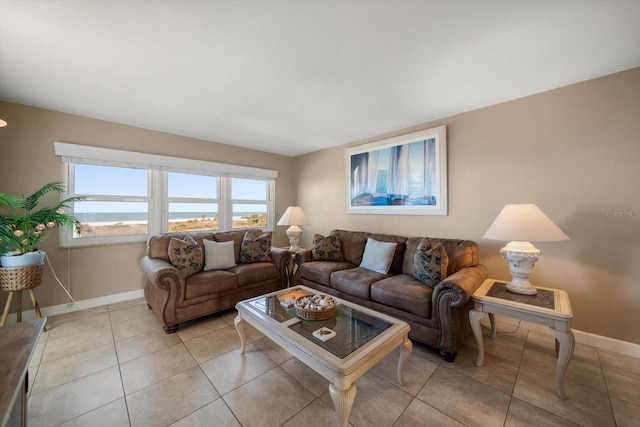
[550, 307]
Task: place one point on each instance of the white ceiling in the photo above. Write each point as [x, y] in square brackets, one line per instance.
[292, 77]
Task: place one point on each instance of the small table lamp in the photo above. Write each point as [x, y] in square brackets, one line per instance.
[521, 224]
[294, 216]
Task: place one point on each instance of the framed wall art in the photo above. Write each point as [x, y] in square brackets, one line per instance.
[404, 175]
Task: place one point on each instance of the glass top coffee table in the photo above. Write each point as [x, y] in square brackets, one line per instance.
[362, 338]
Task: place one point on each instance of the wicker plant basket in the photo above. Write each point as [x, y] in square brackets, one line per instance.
[20, 278]
[316, 312]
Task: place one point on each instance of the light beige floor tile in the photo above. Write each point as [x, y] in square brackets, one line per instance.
[229, 316]
[583, 406]
[231, 370]
[306, 376]
[213, 344]
[73, 367]
[143, 344]
[508, 344]
[624, 385]
[317, 414]
[134, 327]
[376, 403]
[78, 343]
[216, 414]
[496, 372]
[170, 400]
[426, 352]
[272, 350]
[416, 372]
[419, 414]
[154, 367]
[269, 400]
[131, 312]
[75, 315]
[74, 326]
[626, 414]
[113, 414]
[465, 399]
[75, 398]
[522, 414]
[202, 326]
[619, 361]
[37, 353]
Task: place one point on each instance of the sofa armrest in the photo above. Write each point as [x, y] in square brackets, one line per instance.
[281, 257]
[161, 273]
[164, 289]
[450, 297]
[302, 256]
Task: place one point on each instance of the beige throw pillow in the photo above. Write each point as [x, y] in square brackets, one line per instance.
[378, 256]
[218, 255]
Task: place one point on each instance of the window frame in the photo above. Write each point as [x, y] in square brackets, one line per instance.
[158, 167]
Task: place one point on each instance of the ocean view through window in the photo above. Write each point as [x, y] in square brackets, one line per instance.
[130, 201]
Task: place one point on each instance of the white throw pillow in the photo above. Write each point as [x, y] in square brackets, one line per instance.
[218, 255]
[378, 256]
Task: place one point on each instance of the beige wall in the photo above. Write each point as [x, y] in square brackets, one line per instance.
[573, 151]
[28, 161]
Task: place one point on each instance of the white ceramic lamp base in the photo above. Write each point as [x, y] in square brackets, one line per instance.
[521, 257]
[293, 233]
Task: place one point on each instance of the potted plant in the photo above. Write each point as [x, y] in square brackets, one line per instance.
[23, 224]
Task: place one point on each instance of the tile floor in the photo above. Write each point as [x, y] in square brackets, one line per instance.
[115, 366]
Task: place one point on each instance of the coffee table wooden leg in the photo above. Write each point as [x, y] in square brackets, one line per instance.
[342, 402]
[405, 353]
[565, 346]
[239, 323]
[474, 318]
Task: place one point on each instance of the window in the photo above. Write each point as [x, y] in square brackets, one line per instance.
[130, 196]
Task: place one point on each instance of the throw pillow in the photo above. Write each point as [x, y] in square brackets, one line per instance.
[326, 248]
[185, 255]
[430, 263]
[218, 255]
[378, 255]
[255, 248]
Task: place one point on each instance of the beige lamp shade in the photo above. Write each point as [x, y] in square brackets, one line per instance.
[524, 223]
[294, 215]
[2, 123]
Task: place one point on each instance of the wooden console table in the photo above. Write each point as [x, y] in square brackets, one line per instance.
[17, 344]
[549, 307]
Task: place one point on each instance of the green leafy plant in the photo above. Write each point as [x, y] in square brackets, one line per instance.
[25, 224]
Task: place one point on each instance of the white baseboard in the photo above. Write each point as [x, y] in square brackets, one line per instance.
[78, 305]
[598, 341]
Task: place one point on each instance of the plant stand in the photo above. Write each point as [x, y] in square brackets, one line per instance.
[18, 279]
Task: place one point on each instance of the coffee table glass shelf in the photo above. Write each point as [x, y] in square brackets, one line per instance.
[362, 338]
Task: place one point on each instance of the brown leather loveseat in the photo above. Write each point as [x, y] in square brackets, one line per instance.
[438, 313]
[178, 294]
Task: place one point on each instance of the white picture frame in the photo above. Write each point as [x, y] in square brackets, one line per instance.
[403, 175]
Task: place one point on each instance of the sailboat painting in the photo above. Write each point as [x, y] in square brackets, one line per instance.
[405, 175]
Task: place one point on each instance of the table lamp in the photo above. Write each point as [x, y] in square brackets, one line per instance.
[520, 224]
[294, 216]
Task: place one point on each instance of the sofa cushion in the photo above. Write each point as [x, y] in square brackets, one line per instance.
[355, 281]
[430, 263]
[320, 271]
[248, 274]
[218, 255]
[378, 256]
[212, 282]
[255, 247]
[236, 237]
[326, 248]
[403, 292]
[353, 243]
[185, 255]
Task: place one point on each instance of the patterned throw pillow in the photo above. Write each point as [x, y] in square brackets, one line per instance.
[430, 263]
[326, 248]
[186, 256]
[255, 248]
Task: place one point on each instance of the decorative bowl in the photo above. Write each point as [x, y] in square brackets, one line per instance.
[315, 307]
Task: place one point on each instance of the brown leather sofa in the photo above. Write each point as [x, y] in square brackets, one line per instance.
[175, 299]
[438, 316]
